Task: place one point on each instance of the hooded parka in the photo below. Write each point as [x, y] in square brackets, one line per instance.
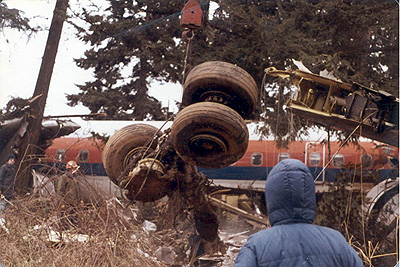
[293, 240]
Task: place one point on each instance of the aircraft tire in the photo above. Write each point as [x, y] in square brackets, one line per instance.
[116, 160]
[384, 221]
[215, 80]
[209, 135]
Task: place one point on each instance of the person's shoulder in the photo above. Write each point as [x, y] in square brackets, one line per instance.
[328, 230]
[337, 241]
[3, 167]
[333, 234]
[261, 235]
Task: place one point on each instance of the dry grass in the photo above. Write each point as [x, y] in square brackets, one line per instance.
[113, 236]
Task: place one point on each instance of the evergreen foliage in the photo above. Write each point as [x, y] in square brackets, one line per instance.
[15, 108]
[14, 18]
[355, 40]
[132, 45]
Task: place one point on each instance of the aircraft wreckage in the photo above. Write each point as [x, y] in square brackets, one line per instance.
[210, 132]
[13, 130]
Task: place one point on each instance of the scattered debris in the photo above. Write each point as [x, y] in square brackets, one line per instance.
[165, 254]
[261, 219]
[58, 237]
[3, 225]
[149, 226]
[116, 232]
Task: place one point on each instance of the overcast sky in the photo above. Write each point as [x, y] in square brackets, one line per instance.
[20, 59]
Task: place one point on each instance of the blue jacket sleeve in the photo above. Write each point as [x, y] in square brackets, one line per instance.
[354, 259]
[246, 257]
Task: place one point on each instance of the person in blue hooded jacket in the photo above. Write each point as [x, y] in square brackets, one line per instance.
[293, 239]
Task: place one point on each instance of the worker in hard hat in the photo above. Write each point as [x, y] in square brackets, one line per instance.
[68, 189]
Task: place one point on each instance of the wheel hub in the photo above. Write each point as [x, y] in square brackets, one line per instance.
[130, 156]
[207, 145]
[216, 97]
[145, 182]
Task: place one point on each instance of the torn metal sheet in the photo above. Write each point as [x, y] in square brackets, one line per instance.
[12, 131]
[43, 184]
[348, 107]
[56, 128]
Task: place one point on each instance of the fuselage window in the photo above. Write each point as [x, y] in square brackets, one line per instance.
[60, 154]
[366, 160]
[314, 159]
[256, 159]
[83, 155]
[338, 161]
[283, 156]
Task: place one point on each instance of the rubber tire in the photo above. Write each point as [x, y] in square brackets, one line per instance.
[224, 77]
[118, 146]
[211, 119]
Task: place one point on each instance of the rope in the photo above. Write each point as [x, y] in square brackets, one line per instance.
[148, 145]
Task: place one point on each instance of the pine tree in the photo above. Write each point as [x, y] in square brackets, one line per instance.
[355, 40]
[134, 37]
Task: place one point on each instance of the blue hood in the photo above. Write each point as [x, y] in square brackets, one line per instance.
[290, 193]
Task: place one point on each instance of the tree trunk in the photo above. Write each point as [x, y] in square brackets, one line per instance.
[29, 148]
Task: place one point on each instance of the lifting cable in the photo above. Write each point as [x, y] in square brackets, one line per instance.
[188, 47]
[191, 20]
[348, 208]
[345, 141]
